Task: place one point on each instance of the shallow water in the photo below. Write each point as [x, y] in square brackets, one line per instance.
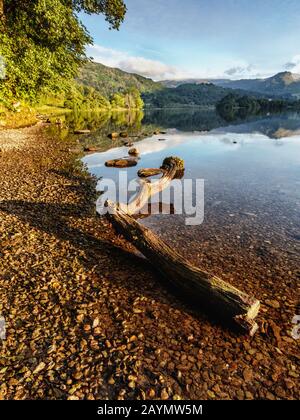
[251, 173]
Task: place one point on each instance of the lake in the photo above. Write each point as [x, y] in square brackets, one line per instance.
[251, 173]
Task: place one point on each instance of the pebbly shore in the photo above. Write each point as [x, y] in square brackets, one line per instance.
[86, 318]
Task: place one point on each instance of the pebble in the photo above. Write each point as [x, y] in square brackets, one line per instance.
[164, 394]
[273, 304]
[248, 375]
[109, 322]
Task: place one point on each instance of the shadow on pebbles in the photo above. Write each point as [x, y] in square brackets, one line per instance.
[86, 318]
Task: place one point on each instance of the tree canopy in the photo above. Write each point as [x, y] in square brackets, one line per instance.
[43, 42]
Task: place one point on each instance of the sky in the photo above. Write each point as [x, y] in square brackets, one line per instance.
[175, 39]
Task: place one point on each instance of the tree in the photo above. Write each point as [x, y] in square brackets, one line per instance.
[43, 42]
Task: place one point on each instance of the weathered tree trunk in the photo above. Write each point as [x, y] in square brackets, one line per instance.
[209, 292]
[147, 173]
[170, 168]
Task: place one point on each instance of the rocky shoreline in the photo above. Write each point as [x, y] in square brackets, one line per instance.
[88, 319]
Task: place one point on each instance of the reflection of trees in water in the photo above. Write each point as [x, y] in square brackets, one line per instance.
[86, 120]
[231, 114]
[184, 119]
[271, 125]
[101, 124]
[138, 125]
[98, 120]
[127, 119]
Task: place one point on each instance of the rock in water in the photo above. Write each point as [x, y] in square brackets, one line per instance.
[121, 163]
[90, 149]
[113, 135]
[124, 134]
[133, 152]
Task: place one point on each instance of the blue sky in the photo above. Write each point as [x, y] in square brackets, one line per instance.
[201, 38]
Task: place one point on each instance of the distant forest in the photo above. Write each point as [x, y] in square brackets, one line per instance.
[235, 106]
[203, 95]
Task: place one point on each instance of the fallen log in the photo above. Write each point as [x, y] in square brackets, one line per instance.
[151, 209]
[172, 167]
[209, 292]
[148, 172]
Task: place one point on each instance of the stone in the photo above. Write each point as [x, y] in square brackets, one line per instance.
[82, 131]
[124, 134]
[273, 304]
[113, 135]
[152, 393]
[39, 368]
[248, 375]
[133, 152]
[90, 149]
[164, 394]
[211, 394]
[77, 375]
[121, 163]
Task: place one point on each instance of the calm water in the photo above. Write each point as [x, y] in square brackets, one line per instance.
[251, 171]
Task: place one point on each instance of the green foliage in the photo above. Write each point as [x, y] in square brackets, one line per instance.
[43, 43]
[113, 10]
[209, 95]
[118, 101]
[130, 99]
[85, 97]
[185, 95]
[109, 81]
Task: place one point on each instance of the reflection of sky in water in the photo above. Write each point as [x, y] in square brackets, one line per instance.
[252, 183]
[199, 145]
[227, 158]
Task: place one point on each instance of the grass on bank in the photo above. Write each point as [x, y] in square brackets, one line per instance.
[26, 116]
[20, 118]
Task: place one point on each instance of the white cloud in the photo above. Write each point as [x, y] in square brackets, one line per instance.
[294, 64]
[158, 70]
[247, 71]
[154, 69]
[240, 71]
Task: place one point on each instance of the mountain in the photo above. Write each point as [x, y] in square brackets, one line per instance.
[107, 80]
[188, 95]
[285, 84]
[176, 83]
